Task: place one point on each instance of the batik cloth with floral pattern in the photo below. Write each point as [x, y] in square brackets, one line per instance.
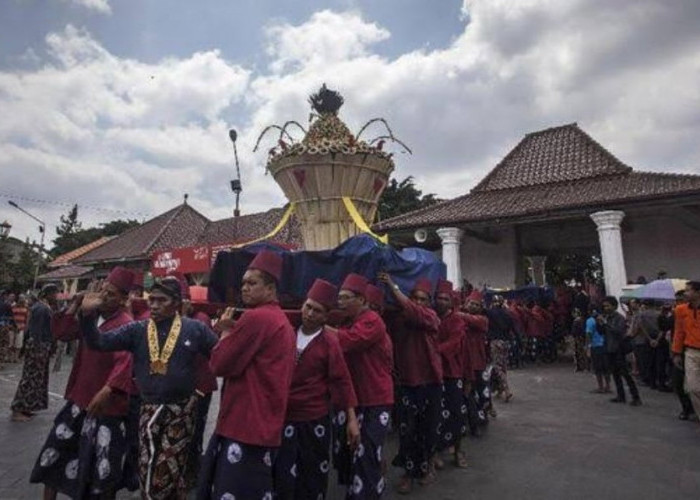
[303, 461]
[165, 433]
[500, 352]
[418, 413]
[33, 389]
[233, 470]
[453, 422]
[362, 471]
[83, 456]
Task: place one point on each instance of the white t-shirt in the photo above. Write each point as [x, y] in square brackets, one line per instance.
[303, 340]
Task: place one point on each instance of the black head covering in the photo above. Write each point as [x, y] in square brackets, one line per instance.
[169, 286]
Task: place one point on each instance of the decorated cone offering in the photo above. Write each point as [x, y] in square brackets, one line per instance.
[328, 165]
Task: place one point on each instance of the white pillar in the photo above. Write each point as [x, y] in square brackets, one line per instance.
[537, 262]
[451, 239]
[614, 271]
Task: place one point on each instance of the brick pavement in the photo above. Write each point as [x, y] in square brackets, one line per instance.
[554, 441]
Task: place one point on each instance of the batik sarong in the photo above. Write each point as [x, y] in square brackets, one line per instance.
[6, 335]
[233, 470]
[419, 417]
[303, 461]
[165, 433]
[453, 423]
[82, 456]
[500, 350]
[481, 394]
[362, 471]
[33, 389]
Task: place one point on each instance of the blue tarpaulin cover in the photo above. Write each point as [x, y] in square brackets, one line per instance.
[360, 254]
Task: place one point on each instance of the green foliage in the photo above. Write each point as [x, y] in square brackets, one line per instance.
[401, 197]
[71, 235]
[23, 271]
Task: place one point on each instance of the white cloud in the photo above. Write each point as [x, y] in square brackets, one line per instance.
[108, 131]
[101, 6]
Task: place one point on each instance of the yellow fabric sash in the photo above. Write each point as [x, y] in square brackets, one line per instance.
[283, 222]
[159, 360]
[359, 221]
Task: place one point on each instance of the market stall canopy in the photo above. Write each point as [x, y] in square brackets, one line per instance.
[360, 254]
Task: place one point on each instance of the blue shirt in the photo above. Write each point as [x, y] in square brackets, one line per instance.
[597, 340]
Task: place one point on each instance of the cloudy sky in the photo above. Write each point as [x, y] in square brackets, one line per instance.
[122, 106]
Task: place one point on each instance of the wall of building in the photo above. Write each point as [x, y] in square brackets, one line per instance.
[668, 241]
[490, 264]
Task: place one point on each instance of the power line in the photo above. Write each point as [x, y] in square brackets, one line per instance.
[70, 205]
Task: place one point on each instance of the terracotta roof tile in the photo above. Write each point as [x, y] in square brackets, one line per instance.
[65, 272]
[558, 154]
[249, 227]
[557, 169]
[68, 257]
[179, 227]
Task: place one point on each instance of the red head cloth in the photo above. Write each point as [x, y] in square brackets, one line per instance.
[355, 283]
[444, 286]
[375, 295]
[423, 285]
[268, 261]
[184, 286]
[476, 296]
[324, 293]
[122, 278]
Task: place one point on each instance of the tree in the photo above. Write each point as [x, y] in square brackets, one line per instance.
[71, 235]
[67, 231]
[402, 197]
[23, 270]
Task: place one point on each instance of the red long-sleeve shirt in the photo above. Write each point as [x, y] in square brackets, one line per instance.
[320, 377]
[477, 327]
[92, 370]
[368, 354]
[256, 361]
[451, 338]
[415, 332]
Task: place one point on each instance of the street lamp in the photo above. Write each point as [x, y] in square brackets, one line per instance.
[42, 230]
[236, 185]
[5, 229]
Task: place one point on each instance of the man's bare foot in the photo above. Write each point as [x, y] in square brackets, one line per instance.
[20, 417]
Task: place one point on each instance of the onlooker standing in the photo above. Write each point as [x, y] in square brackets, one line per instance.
[7, 324]
[666, 323]
[33, 389]
[578, 332]
[641, 342]
[647, 328]
[613, 326]
[20, 311]
[595, 342]
[686, 341]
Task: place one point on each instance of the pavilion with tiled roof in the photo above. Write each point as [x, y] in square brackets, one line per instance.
[549, 195]
[182, 232]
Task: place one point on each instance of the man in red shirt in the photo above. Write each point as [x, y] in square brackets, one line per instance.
[321, 380]
[415, 332]
[255, 357]
[451, 338]
[85, 450]
[368, 354]
[477, 326]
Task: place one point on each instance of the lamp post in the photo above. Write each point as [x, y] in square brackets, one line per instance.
[236, 186]
[42, 230]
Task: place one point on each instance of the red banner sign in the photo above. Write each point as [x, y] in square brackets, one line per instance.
[183, 260]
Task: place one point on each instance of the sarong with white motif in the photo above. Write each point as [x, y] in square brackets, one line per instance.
[83, 456]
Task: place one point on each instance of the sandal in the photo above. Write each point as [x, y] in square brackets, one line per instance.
[460, 460]
[438, 462]
[429, 478]
[405, 485]
[509, 396]
[20, 417]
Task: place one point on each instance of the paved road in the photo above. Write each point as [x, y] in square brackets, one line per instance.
[554, 441]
